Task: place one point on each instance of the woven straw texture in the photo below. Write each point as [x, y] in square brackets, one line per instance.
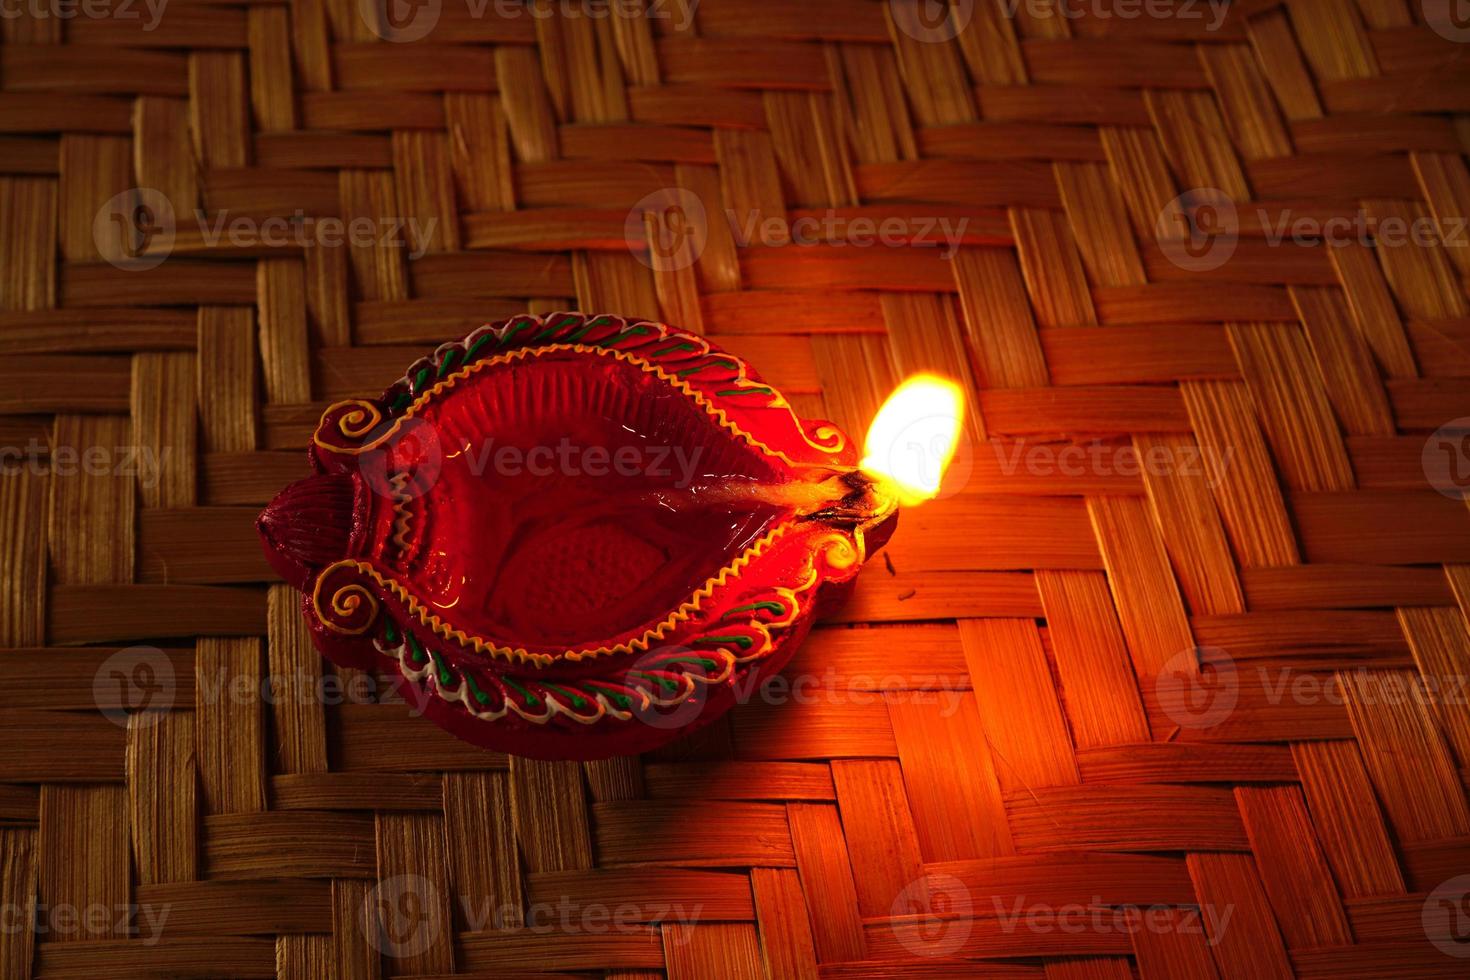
[1172, 687]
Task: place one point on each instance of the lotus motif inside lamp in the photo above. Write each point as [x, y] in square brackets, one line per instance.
[574, 536]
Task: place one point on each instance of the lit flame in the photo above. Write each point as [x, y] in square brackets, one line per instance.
[913, 437]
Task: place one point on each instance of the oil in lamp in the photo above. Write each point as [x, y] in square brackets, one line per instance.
[572, 536]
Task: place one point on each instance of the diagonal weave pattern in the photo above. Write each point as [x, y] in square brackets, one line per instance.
[1231, 678]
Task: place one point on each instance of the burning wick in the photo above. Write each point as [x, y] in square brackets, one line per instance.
[911, 441]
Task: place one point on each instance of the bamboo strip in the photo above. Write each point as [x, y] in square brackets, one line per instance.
[1052, 269]
[90, 531]
[413, 875]
[716, 950]
[870, 102]
[825, 867]
[1347, 819]
[425, 190]
[1018, 707]
[1406, 755]
[230, 730]
[786, 939]
[164, 427]
[297, 688]
[1125, 818]
[550, 815]
[485, 869]
[18, 872]
[227, 412]
[947, 761]
[645, 833]
[881, 838]
[161, 796]
[217, 108]
[28, 223]
[83, 858]
[1189, 523]
[1293, 872]
[23, 501]
[1245, 487]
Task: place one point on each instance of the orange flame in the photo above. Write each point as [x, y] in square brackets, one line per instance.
[913, 437]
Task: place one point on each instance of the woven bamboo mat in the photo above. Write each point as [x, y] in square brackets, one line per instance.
[1173, 687]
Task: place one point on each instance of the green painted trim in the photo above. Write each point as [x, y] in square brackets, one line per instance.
[479, 695]
[480, 341]
[531, 699]
[578, 701]
[448, 361]
[743, 642]
[768, 604]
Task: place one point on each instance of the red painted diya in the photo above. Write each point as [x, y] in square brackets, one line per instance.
[573, 536]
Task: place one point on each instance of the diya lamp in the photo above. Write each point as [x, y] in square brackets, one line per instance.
[573, 536]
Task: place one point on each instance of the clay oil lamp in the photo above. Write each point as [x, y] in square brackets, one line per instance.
[572, 536]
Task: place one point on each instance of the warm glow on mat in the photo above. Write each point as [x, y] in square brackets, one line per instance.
[914, 435]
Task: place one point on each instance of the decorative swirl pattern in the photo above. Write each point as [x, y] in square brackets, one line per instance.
[346, 424]
[350, 607]
[824, 436]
